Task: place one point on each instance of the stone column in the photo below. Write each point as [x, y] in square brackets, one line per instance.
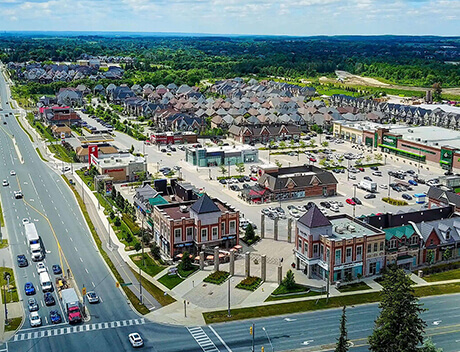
[201, 260]
[247, 264]
[289, 229]
[216, 258]
[263, 268]
[262, 225]
[280, 274]
[309, 271]
[232, 262]
[275, 233]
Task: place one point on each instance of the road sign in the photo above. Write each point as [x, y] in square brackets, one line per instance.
[83, 291]
[126, 284]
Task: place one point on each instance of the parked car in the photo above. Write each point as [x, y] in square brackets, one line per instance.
[367, 178]
[361, 169]
[55, 317]
[22, 261]
[34, 319]
[246, 178]
[383, 186]
[356, 200]
[32, 304]
[29, 288]
[135, 339]
[369, 196]
[57, 269]
[374, 168]
[49, 299]
[406, 196]
[313, 160]
[335, 208]
[280, 210]
[223, 181]
[350, 201]
[413, 182]
[92, 297]
[352, 177]
[377, 173]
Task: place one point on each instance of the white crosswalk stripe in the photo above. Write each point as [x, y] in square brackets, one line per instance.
[76, 329]
[202, 339]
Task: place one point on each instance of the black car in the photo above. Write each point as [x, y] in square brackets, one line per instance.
[22, 261]
[223, 181]
[309, 205]
[241, 179]
[406, 196]
[247, 178]
[357, 201]
[325, 204]
[367, 178]
[375, 168]
[246, 186]
[57, 269]
[49, 299]
[369, 196]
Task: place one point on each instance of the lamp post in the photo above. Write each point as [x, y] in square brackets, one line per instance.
[354, 199]
[389, 181]
[268, 337]
[229, 314]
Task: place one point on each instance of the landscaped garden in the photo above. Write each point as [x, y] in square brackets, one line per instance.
[217, 277]
[250, 283]
[355, 286]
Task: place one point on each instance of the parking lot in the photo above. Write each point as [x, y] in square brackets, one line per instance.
[94, 125]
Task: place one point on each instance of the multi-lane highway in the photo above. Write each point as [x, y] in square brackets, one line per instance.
[50, 205]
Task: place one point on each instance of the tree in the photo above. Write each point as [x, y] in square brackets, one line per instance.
[289, 280]
[112, 215]
[447, 254]
[325, 144]
[155, 251]
[249, 233]
[437, 90]
[137, 246]
[399, 326]
[223, 170]
[342, 341]
[368, 159]
[240, 168]
[186, 263]
[278, 163]
[282, 145]
[131, 150]
[429, 346]
[430, 256]
[378, 157]
[117, 222]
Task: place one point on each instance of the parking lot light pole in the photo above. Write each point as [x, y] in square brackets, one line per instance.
[389, 181]
[354, 196]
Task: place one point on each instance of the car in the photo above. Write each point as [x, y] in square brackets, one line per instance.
[369, 196]
[361, 169]
[410, 172]
[352, 177]
[223, 181]
[279, 210]
[29, 288]
[413, 182]
[17, 194]
[253, 178]
[173, 149]
[12, 173]
[406, 196]
[377, 173]
[273, 216]
[374, 168]
[313, 160]
[5, 183]
[367, 178]
[265, 211]
[22, 261]
[247, 178]
[294, 213]
[4, 122]
[57, 269]
[356, 200]
[382, 186]
[240, 179]
[34, 319]
[246, 186]
[164, 150]
[335, 208]
[55, 317]
[49, 299]
[41, 268]
[32, 304]
[135, 339]
[350, 201]
[92, 297]
[25, 221]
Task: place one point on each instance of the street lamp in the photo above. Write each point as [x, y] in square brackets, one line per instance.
[354, 199]
[268, 337]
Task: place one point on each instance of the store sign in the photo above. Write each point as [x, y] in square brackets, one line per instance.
[391, 141]
[349, 265]
[446, 156]
[115, 170]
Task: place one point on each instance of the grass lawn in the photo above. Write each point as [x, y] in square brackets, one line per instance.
[13, 324]
[2, 220]
[3, 243]
[151, 267]
[283, 290]
[40, 155]
[445, 275]
[158, 294]
[60, 152]
[356, 286]
[250, 283]
[217, 277]
[20, 124]
[294, 296]
[170, 281]
[11, 296]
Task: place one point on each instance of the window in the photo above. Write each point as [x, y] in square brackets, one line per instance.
[215, 233]
[359, 253]
[204, 235]
[393, 244]
[315, 250]
[414, 240]
[338, 256]
[381, 246]
[369, 248]
[321, 253]
[177, 235]
[299, 245]
[349, 253]
[222, 227]
[232, 226]
[431, 242]
[375, 246]
[305, 248]
[189, 233]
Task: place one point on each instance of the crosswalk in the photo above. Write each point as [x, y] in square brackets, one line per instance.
[202, 339]
[76, 329]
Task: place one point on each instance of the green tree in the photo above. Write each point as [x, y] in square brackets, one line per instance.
[437, 90]
[155, 251]
[323, 162]
[325, 144]
[249, 233]
[429, 346]
[117, 222]
[137, 246]
[278, 163]
[240, 168]
[447, 254]
[289, 280]
[112, 215]
[399, 327]
[131, 150]
[378, 157]
[223, 170]
[186, 263]
[282, 145]
[430, 256]
[343, 342]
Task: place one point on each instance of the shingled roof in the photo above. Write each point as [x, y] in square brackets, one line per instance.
[204, 205]
[314, 218]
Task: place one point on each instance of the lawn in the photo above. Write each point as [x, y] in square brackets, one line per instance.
[2, 220]
[445, 275]
[27, 132]
[283, 290]
[171, 281]
[250, 283]
[13, 324]
[151, 267]
[60, 152]
[355, 286]
[159, 295]
[293, 296]
[11, 296]
[40, 155]
[3, 242]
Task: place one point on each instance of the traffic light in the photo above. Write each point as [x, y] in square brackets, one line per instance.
[250, 330]
[117, 284]
[262, 349]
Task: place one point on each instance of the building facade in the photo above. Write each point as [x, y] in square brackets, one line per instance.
[173, 137]
[121, 167]
[217, 156]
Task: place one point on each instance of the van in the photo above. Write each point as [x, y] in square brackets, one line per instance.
[45, 282]
[244, 223]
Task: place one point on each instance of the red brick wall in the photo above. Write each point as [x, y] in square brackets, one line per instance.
[429, 157]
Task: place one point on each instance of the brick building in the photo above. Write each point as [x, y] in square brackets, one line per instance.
[190, 226]
[337, 247]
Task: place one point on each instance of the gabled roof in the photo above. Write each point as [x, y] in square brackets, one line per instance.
[314, 218]
[204, 205]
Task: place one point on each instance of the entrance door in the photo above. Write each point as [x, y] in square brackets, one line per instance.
[372, 268]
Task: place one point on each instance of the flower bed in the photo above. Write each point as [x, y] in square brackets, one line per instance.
[217, 277]
[250, 283]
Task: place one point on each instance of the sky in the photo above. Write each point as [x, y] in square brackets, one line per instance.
[258, 17]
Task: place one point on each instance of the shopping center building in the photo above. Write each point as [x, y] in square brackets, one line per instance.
[225, 155]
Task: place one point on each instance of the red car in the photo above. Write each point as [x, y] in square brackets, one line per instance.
[350, 201]
[313, 160]
[253, 178]
[361, 169]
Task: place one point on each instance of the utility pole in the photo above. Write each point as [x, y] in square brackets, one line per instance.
[229, 312]
[354, 196]
[389, 180]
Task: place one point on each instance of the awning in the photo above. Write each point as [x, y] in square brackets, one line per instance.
[210, 257]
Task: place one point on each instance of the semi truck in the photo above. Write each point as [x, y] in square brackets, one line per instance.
[367, 185]
[71, 305]
[33, 239]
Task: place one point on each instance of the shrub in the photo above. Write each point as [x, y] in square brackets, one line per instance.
[217, 277]
[289, 280]
[250, 283]
[117, 222]
[186, 262]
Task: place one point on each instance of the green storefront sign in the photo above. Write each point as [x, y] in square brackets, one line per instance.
[390, 140]
[446, 157]
[368, 141]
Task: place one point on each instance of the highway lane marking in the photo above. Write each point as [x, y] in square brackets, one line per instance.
[87, 271]
[220, 338]
[93, 284]
[33, 184]
[81, 260]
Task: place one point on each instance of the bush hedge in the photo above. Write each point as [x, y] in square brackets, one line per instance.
[217, 277]
[393, 201]
[440, 268]
[250, 283]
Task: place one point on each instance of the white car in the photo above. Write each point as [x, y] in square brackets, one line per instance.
[5, 183]
[35, 319]
[25, 221]
[12, 173]
[382, 186]
[334, 208]
[135, 339]
[41, 268]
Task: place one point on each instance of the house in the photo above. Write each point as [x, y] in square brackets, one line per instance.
[69, 97]
[338, 247]
[104, 149]
[402, 247]
[61, 131]
[195, 225]
[58, 115]
[248, 134]
[438, 197]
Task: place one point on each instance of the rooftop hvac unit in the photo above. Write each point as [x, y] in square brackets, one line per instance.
[183, 209]
[351, 228]
[339, 229]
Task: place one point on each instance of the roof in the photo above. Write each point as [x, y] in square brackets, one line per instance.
[399, 232]
[314, 218]
[204, 205]
[444, 196]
